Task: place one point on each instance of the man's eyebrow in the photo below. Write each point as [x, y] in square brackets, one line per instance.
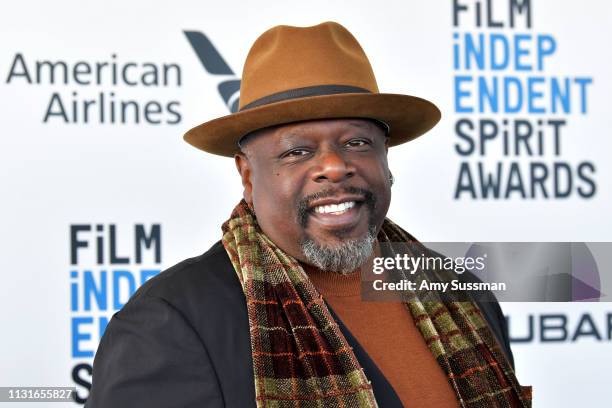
[292, 133]
[361, 125]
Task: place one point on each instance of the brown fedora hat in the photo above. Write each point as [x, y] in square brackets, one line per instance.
[294, 74]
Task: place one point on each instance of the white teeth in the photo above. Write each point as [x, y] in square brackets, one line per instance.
[335, 208]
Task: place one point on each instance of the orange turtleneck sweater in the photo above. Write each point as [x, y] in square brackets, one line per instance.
[387, 333]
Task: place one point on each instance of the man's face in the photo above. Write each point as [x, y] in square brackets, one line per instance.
[319, 186]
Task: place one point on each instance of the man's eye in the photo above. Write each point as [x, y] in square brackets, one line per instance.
[296, 153]
[357, 142]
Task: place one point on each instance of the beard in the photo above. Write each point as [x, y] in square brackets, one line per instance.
[342, 258]
[348, 255]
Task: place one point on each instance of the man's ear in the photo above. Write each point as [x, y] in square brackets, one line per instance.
[244, 169]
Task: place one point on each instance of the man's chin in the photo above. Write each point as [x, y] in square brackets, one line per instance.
[339, 254]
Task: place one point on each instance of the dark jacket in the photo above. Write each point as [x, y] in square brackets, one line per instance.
[183, 340]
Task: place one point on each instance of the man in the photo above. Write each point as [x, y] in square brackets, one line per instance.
[272, 314]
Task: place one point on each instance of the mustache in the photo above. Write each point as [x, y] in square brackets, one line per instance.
[304, 204]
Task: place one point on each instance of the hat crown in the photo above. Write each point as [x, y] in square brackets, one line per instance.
[286, 58]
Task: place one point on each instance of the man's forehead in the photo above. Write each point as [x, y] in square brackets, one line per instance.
[300, 129]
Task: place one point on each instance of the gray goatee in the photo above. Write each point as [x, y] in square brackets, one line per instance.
[343, 258]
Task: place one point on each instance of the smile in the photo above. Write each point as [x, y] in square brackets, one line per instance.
[337, 213]
[343, 211]
[334, 209]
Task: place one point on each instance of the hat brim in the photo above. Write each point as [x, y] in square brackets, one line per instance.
[408, 117]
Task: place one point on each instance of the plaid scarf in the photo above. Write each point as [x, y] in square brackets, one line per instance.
[301, 358]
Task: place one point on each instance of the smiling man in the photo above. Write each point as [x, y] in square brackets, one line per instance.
[331, 176]
[272, 314]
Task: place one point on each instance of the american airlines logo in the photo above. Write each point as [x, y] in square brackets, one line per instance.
[214, 64]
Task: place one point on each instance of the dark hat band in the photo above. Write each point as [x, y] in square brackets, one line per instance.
[317, 90]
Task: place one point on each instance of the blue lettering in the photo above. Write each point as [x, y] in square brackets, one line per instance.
[515, 83]
[74, 292]
[505, 51]
[471, 51]
[456, 51]
[557, 95]
[520, 52]
[546, 46]
[533, 95]
[77, 337]
[486, 93]
[460, 93]
[90, 288]
[583, 82]
[117, 277]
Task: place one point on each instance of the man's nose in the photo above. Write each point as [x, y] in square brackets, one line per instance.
[333, 167]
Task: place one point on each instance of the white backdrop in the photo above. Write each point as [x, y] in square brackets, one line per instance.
[58, 174]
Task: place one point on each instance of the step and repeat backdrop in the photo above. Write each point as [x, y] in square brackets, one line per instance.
[99, 192]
